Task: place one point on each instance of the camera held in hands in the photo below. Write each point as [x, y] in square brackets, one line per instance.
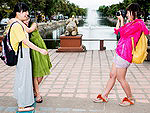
[121, 12]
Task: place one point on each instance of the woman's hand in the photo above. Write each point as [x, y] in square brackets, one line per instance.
[43, 51]
[120, 17]
[34, 26]
[120, 20]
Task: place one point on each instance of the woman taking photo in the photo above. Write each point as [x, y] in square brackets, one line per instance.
[123, 55]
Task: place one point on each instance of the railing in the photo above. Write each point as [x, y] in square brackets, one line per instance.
[101, 41]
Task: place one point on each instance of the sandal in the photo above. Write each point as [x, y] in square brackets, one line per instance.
[39, 100]
[22, 109]
[127, 102]
[100, 99]
[34, 95]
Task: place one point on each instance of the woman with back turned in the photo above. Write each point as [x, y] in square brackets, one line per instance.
[40, 63]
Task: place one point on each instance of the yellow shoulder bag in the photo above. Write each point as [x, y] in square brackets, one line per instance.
[139, 53]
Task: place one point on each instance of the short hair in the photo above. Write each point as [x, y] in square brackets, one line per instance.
[20, 6]
[135, 9]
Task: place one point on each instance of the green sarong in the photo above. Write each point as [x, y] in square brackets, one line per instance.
[40, 63]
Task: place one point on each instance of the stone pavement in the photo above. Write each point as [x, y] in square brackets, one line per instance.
[75, 79]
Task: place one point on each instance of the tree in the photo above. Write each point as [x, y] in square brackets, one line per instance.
[111, 10]
[48, 7]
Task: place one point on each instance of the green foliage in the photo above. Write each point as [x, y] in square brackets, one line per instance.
[48, 7]
[111, 10]
[73, 13]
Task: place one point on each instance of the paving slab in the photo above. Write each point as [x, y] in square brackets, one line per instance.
[76, 78]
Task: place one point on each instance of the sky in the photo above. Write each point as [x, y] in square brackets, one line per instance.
[94, 4]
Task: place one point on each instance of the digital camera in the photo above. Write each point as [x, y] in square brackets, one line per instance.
[121, 12]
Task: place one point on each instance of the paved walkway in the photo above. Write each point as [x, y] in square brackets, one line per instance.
[75, 79]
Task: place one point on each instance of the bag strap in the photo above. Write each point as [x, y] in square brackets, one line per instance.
[20, 44]
[133, 49]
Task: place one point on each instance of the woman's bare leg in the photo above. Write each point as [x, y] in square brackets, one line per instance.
[39, 79]
[121, 74]
[111, 81]
[36, 87]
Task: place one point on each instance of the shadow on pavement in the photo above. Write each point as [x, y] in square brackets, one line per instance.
[77, 105]
[73, 105]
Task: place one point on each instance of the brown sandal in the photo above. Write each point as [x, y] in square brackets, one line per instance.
[40, 100]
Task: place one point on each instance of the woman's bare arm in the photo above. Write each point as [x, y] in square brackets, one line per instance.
[28, 30]
[120, 22]
[34, 47]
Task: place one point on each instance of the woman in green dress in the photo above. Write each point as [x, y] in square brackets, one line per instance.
[40, 63]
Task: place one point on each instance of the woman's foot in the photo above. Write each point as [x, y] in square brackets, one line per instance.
[127, 102]
[39, 99]
[22, 109]
[34, 92]
[100, 99]
[35, 95]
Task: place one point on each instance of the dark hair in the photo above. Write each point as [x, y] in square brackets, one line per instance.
[30, 23]
[20, 6]
[135, 9]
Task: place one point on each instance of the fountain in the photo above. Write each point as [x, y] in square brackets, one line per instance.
[94, 31]
[92, 19]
